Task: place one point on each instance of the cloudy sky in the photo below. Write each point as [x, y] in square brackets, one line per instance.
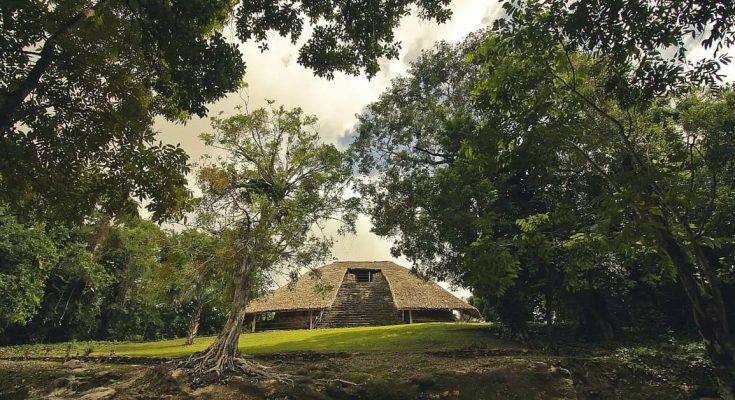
[275, 75]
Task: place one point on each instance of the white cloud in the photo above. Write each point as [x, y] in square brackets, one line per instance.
[275, 75]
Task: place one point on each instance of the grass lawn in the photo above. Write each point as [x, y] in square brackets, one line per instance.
[416, 337]
[388, 362]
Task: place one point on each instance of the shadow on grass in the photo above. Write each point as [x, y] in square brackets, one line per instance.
[417, 337]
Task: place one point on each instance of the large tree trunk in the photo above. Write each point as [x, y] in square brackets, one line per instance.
[194, 324]
[596, 316]
[221, 357]
[703, 289]
[710, 313]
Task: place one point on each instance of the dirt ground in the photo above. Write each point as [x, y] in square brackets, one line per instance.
[450, 375]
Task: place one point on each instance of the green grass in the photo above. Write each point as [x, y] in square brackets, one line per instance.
[416, 337]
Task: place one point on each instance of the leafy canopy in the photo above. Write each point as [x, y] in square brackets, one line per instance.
[82, 82]
[647, 46]
[499, 176]
[47, 278]
[270, 194]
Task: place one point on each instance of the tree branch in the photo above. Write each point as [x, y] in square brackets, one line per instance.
[447, 157]
[14, 99]
[594, 164]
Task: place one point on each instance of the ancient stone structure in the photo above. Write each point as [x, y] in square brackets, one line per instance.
[355, 293]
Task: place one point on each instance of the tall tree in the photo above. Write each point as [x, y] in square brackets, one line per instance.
[27, 254]
[191, 276]
[268, 197]
[82, 84]
[129, 249]
[51, 285]
[83, 80]
[663, 176]
[459, 177]
[466, 198]
[73, 294]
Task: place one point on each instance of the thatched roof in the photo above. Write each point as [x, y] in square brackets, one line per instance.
[314, 291]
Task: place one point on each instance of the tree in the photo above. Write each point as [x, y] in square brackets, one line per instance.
[191, 276]
[646, 45]
[50, 283]
[663, 173]
[73, 294]
[465, 200]
[122, 279]
[27, 254]
[267, 197]
[129, 249]
[421, 189]
[465, 161]
[83, 81]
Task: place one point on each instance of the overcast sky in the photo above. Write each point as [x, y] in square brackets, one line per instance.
[275, 75]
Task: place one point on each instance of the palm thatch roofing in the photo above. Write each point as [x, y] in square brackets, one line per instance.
[318, 289]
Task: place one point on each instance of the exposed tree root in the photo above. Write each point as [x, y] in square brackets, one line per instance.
[203, 369]
[337, 380]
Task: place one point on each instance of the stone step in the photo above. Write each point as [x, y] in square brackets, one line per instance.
[357, 313]
[361, 312]
[352, 312]
[346, 319]
[354, 321]
[361, 304]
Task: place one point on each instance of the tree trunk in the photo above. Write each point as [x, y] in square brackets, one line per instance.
[222, 356]
[548, 314]
[194, 324]
[710, 315]
[222, 359]
[12, 100]
[597, 316]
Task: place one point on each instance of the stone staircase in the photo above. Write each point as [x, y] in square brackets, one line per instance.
[362, 304]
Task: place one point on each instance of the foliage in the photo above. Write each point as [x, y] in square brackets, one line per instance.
[83, 81]
[73, 296]
[275, 183]
[501, 197]
[551, 186]
[27, 255]
[191, 277]
[111, 279]
[348, 37]
[130, 252]
[466, 200]
[649, 48]
[662, 177]
[190, 270]
[52, 286]
[268, 198]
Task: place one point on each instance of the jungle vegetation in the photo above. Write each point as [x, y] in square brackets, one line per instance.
[570, 164]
